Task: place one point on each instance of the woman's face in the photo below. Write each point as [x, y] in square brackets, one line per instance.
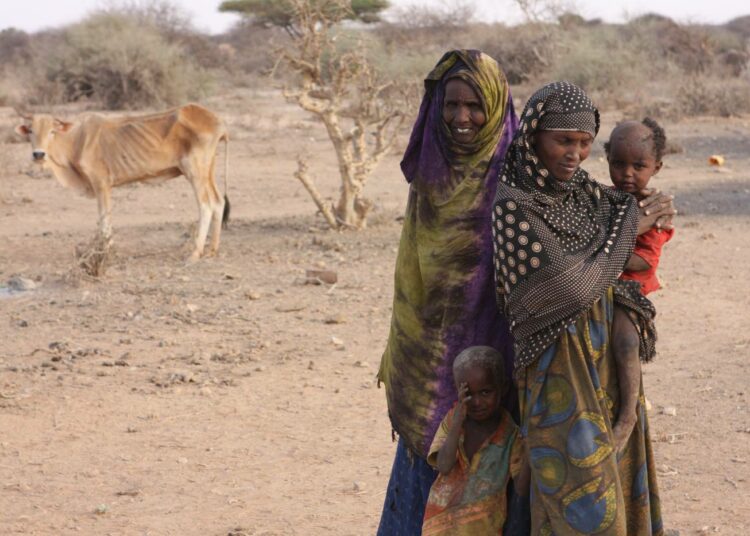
[562, 151]
[462, 111]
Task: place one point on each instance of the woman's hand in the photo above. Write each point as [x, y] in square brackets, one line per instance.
[656, 210]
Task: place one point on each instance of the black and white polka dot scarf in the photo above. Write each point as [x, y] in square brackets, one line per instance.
[559, 245]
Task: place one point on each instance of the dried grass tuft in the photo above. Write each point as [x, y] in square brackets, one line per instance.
[93, 258]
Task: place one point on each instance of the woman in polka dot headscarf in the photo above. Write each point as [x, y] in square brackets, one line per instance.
[561, 240]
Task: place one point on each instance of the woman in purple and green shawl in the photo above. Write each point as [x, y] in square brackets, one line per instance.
[444, 288]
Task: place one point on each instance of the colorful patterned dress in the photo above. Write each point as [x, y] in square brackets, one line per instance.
[569, 399]
[472, 499]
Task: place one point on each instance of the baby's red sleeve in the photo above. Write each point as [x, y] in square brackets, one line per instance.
[648, 245]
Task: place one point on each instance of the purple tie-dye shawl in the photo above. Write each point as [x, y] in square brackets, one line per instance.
[444, 297]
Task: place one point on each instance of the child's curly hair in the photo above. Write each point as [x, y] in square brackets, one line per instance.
[486, 357]
[657, 136]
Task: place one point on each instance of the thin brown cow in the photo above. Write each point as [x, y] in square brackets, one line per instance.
[98, 153]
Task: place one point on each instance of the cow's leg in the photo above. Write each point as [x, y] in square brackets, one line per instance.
[217, 207]
[104, 201]
[191, 171]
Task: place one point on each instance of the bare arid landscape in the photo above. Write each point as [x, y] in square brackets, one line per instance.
[230, 397]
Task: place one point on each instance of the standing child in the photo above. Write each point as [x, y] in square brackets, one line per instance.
[477, 450]
[634, 152]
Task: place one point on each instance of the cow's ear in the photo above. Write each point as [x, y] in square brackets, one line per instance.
[23, 131]
[62, 126]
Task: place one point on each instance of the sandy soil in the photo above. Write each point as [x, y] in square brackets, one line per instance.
[230, 398]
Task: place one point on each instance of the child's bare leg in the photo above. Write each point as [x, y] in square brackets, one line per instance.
[625, 346]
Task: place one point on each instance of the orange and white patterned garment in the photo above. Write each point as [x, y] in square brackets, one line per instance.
[471, 500]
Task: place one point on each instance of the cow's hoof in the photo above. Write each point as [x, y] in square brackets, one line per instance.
[211, 253]
[193, 258]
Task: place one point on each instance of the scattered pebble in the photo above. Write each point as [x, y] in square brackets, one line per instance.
[290, 308]
[336, 319]
[239, 531]
[21, 284]
[666, 470]
[129, 493]
[101, 509]
[318, 277]
[669, 410]
[181, 376]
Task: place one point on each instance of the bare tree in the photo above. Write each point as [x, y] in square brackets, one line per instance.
[360, 111]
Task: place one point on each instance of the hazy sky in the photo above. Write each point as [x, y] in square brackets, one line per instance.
[34, 15]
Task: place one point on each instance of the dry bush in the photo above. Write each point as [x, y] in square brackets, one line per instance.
[525, 52]
[94, 257]
[583, 59]
[115, 60]
[688, 47]
[253, 46]
[167, 17]
[15, 53]
[417, 26]
[709, 96]
[740, 26]
[173, 23]
[21, 70]
[15, 46]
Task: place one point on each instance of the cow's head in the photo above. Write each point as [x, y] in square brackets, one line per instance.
[40, 130]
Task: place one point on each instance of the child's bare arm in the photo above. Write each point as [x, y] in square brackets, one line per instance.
[625, 345]
[521, 482]
[447, 454]
[636, 263]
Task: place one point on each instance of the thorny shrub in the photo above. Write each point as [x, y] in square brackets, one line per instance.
[111, 59]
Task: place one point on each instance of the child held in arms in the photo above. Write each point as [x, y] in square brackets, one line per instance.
[634, 152]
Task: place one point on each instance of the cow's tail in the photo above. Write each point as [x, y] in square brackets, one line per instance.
[227, 206]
